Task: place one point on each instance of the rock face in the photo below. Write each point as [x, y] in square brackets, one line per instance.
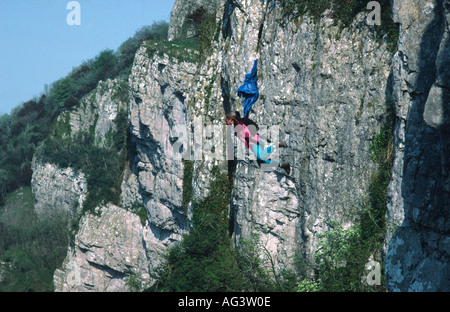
[325, 89]
[159, 89]
[418, 253]
[57, 190]
[108, 254]
[186, 14]
[96, 113]
[64, 189]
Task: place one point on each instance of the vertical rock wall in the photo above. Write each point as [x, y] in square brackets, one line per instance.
[418, 254]
[159, 91]
[326, 90]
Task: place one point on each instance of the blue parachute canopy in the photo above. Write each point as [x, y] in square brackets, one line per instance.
[249, 90]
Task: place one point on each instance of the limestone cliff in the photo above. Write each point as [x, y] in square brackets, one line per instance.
[186, 15]
[159, 89]
[326, 90]
[66, 188]
[99, 258]
[418, 254]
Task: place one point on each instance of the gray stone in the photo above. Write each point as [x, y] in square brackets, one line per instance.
[434, 113]
[57, 191]
[181, 26]
[159, 91]
[97, 112]
[109, 254]
[418, 254]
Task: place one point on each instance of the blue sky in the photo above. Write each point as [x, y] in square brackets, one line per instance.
[37, 46]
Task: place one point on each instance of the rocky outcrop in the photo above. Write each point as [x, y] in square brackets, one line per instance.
[57, 191]
[187, 15]
[108, 254]
[418, 254]
[325, 100]
[159, 92]
[63, 190]
[96, 113]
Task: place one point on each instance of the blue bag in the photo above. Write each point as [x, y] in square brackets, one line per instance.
[249, 90]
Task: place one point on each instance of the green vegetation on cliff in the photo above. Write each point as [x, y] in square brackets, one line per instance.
[205, 259]
[102, 166]
[29, 124]
[193, 49]
[31, 250]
